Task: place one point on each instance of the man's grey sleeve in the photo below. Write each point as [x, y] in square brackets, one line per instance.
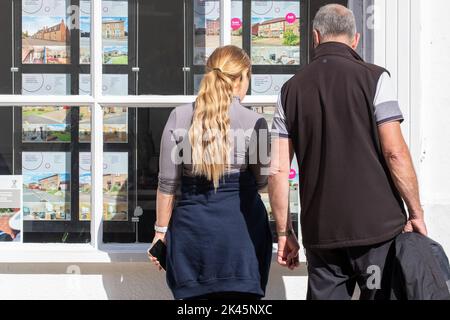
[279, 125]
[387, 108]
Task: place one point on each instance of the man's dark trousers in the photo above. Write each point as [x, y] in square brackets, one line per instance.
[334, 273]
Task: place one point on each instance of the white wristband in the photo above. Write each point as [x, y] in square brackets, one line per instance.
[160, 229]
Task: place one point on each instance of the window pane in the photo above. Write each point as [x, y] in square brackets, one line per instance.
[114, 32]
[51, 46]
[275, 32]
[40, 145]
[130, 177]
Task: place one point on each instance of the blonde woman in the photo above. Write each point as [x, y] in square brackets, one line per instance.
[219, 243]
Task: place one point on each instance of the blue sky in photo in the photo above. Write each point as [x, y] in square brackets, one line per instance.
[85, 178]
[35, 177]
[85, 24]
[33, 24]
[56, 127]
[122, 49]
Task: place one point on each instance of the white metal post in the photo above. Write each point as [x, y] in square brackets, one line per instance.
[225, 22]
[96, 126]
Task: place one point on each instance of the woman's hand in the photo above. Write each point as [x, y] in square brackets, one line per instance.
[158, 236]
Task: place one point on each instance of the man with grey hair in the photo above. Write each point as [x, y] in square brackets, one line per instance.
[341, 118]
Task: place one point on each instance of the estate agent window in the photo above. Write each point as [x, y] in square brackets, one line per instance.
[149, 48]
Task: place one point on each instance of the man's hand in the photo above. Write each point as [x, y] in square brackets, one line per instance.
[158, 236]
[416, 225]
[288, 250]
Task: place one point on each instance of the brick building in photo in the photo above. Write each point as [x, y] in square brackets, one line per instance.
[114, 29]
[213, 27]
[274, 28]
[58, 33]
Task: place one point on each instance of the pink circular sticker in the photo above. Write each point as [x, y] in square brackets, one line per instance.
[291, 17]
[236, 24]
[292, 174]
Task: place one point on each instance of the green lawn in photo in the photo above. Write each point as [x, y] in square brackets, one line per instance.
[61, 136]
[116, 60]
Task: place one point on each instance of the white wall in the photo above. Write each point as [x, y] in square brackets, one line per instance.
[435, 161]
[412, 42]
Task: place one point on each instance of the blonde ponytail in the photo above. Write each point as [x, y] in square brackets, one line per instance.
[209, 133]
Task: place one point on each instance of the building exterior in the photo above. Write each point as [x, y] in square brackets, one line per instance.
[59, 33]
[114, 29]
[213, 27]
[50, 183]
[275, 28]
[118, 181]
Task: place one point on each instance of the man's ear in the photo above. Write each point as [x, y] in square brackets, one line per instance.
[316, 38]
[355, 41]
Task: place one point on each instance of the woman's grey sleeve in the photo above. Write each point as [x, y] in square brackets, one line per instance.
[170, 170]
[259, 153]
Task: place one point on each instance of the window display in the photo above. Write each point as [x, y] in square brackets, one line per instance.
[114, 32]
[51, 144]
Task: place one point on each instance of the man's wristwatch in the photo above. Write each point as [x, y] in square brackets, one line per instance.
[160, 229]
[285, 233]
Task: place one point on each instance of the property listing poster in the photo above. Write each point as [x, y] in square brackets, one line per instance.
[114, 30]
[11, 220]
[45, 32]
[46, 186]
[115, 125]
[56, 84]
[46, 124]
[275, 31]
[206, 29]
[268, 84]
[115, 186]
